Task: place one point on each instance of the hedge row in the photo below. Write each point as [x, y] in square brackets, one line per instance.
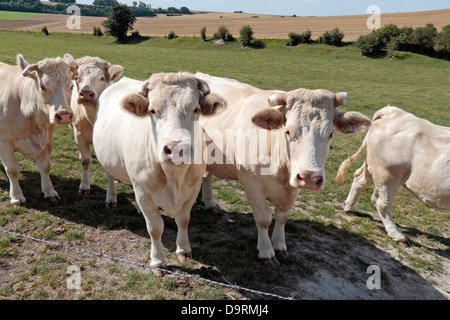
[423, 40]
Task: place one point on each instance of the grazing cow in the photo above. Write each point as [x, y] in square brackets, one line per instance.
[402, 149]
[144, 136]
[33, 98]
[94, 76]
[283, 160]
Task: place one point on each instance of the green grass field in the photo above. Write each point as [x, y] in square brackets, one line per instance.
[319, 235]
[8, 15]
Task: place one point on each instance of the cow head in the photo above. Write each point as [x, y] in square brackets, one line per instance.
[53, 81]
[174, 102]
[309, 119]
[94, 75]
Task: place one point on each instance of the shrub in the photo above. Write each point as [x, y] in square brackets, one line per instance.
[423, 39]
[404, 38]
[333, 37]
[97, 32]
[387, 33]
[45, 30]
[297, 38]
[442, 42]
[223, 33]
[203, 33]
[369, 44]
[246, 34]
[171, 35]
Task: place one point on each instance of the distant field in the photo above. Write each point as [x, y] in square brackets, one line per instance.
[264, 26]
[9, 15]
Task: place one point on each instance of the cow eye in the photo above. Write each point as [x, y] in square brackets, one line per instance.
[331, 135]
[43, 88]
[152, 111]
[102, 79]
[287, 133]
[196, 110]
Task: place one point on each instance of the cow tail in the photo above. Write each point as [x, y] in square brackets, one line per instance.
[344, 165]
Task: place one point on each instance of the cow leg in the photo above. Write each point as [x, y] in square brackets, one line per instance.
[182, 218]
[263, 219]
[207, 195]
[43, 163]
[86, 160]
[362, 177]
[383, 197]
[155, 228]
[111, 193]
[278, 235]
[12, 169]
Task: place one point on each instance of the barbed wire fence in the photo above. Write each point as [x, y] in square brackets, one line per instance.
[101, 255]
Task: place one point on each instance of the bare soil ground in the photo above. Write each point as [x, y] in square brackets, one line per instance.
[264, 26]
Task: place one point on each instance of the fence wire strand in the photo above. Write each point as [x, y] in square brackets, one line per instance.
[101, 255]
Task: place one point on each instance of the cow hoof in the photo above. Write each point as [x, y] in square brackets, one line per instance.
[53, 199]
[158, 272]
[182, 257]
[84, 192]
[111, 206]
[281, 254]
[19, 203]
[403, 244]
[270, 261]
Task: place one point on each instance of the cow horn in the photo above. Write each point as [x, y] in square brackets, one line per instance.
[203, 87]
[144, 89]
[277, 99]
[340, 98]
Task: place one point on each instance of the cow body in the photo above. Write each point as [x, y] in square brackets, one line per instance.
[144, 135]
[402, 149]
[288, 158]
[94, 76]
[33, 99]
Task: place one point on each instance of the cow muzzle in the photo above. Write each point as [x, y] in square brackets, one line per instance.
[86, 96]
[177, 152]
[309, 180]
[63, 117]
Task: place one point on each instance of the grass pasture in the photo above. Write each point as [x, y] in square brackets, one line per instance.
[8, 15]
[329, 250]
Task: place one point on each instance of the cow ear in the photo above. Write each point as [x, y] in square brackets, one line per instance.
[72, 64]
[27, 69]
[115, 71]
[269, 119]
[212, 103]
[350, 122]
[136, 104]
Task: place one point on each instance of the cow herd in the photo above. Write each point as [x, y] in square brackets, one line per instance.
[170, 135]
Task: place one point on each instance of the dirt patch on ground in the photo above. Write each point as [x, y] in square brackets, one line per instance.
[264, 26]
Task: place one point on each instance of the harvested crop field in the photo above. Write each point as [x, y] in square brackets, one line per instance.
[264, 26]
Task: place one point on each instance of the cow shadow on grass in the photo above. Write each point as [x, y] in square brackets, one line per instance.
[325, 262]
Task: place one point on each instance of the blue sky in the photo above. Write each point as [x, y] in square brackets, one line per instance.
[298, 7]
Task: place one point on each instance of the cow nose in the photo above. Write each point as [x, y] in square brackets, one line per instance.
[86, 95]
[177, 152]
[309, 180]
[63, 118]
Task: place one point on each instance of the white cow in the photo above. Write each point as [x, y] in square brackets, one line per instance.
[33, 98]
[144, 136]
[280, 162]
[94, 76]
[402, 149]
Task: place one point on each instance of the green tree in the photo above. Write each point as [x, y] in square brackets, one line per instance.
[203, 33]
[246, 34]
[120, 20]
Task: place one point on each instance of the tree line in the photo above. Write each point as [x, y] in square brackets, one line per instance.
[100, 8]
